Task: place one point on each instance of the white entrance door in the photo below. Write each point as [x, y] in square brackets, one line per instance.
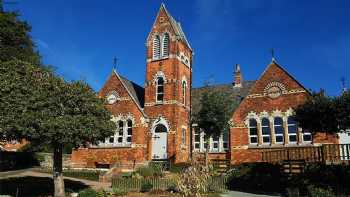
[159, 145]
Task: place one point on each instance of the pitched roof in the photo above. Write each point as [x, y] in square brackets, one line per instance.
[136, 91]
[175, 25]
[236, 93]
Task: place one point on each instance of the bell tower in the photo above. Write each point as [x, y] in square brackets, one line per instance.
[168, 89]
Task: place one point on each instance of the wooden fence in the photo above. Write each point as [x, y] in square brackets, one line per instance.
[327, 153]
[134, 184]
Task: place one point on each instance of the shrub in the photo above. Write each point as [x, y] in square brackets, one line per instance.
[146, 187]
[88, 193]
[145, 171]
[257, 177]
[178, 168]
[172, 188]
[119, 191]
[320, 192]
[158, 168]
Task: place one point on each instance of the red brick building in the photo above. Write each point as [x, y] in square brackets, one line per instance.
[154, 121]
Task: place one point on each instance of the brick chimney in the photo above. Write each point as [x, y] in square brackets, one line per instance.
[237, 76]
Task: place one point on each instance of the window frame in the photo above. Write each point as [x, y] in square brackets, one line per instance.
[278, 125]
[158, 93]
[156, 55]
[257, 131]
[165, 43]
[306, 133]
[292, 134]
[269, 129]
[184, 88]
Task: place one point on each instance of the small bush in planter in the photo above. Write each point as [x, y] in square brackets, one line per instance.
[146, 187]
[88, 193]
[119, 191]
[172, 188]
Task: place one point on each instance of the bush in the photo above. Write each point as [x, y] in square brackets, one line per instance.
[146, 187]
[119, 191]
[178, 168]
[320, 192]
[172, 188]
[88, 193]
[145, 171]
[257, 178]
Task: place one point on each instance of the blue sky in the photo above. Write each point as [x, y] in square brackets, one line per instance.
[311, 38]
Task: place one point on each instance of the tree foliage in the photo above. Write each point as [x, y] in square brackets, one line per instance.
[215, 112]
[15, 41]
[321, 113]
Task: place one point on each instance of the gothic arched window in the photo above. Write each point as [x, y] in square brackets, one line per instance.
[120, 132]
[265, 130]
[279, 130]
[156, 47]
[253, 131]
[165, 48]
[160, 89]
[184, 87]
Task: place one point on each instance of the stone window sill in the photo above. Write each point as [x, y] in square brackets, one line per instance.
[280, 145]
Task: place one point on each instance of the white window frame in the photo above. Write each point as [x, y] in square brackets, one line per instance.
[184, 88]
[126, 132]
[211, 142]
[257, 130]
[157, 90]
[156, 47]
[121, 133]
[292, 134]
[278, 125]
[197, 132]
[265, 135]
[306, 132]
[165, 51]
[183, 135]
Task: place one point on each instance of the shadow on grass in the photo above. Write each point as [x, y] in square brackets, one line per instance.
[30, 186]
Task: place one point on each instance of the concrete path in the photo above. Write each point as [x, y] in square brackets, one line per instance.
[29, 172]
[243, 194]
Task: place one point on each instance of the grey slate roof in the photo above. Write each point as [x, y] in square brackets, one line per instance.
[136, 91]
[236, 93]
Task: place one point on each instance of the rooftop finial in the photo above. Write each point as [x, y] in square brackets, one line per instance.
[273, 54]
[115, 63]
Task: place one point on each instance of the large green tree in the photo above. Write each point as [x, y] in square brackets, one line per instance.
[321, 113]
[15, 39]
[44, 109]
[216, 108]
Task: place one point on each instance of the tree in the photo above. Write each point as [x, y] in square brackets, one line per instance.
[15, 41]
[321, 113]
[214, 114]
[342, 106]
[44, 109]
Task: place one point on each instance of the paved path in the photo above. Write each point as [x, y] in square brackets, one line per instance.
[243, 194]
[30, 172]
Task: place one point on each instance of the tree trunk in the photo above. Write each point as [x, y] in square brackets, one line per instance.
[207, 153]
[57, 172]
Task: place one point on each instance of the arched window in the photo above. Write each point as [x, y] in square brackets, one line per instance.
[292, 130]
[160, 89]
[129, 131]
[184, 87]
[165, 48]
[265, 130]
[279, 130]
[160, 129]
[253, 131]
[156, 47]
[120, 132]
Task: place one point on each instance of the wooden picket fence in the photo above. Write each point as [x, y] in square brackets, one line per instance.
[327, 153]
[134, 184]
